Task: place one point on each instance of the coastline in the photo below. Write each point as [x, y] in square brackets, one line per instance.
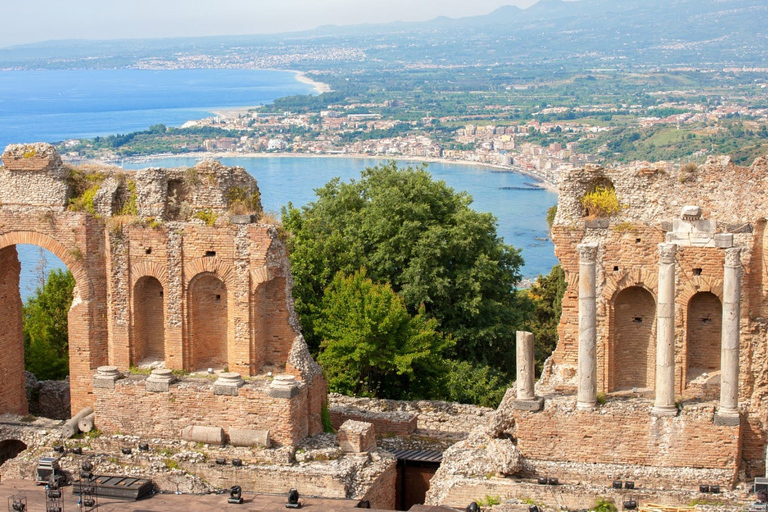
[299, 76]
[214, 155]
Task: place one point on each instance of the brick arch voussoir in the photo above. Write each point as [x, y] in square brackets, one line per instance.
[698, 284]
[75, 265]
[149, 269]
[260, 276]
[209, 265]
[635, 277]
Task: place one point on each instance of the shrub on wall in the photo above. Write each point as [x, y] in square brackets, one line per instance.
[601, 202]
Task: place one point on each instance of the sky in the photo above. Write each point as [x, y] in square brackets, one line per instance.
[43, 20]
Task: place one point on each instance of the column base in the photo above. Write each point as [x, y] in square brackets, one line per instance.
[586, 406]
[727, 419]
[534, 404]
[664, 411]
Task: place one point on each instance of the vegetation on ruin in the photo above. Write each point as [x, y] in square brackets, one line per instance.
[241, 201]
[422, 239]
[44, 321]
[601, 202]
[206, 215]
[604, 505]
[129, 206]
[84, 184]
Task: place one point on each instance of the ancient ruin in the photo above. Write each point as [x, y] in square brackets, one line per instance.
[659, 373]
[176, 270]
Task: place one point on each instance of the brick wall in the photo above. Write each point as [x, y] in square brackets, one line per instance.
[381, 493]
[705, 322]
[634, 335]
[130, 408]
[13, 398]
[148, 320]
[208, 323]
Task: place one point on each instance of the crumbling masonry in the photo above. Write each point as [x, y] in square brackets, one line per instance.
[172, 267]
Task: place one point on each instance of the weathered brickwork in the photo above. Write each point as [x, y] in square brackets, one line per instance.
[174, 270]
[129, 407]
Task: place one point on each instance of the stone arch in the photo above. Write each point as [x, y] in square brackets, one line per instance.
[704, 321]
[145, 269]
[148, 320]
[67, 256]
[699, 284]
[633, 339]
[10, 449]
[211, 265]
[208, 320]
[642, 278]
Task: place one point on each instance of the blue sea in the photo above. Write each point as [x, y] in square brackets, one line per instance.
[52, 106]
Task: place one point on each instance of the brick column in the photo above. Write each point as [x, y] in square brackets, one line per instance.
[665, 334]
[728, 412]
[587, 396]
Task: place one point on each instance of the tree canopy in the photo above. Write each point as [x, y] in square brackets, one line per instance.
[44, 320]
[371, 345]
[424, 240]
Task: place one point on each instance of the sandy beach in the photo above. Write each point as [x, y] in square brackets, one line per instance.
[300, 76]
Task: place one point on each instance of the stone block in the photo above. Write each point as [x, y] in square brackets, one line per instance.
[160, 380]
[727, 421]
[228, 384]
[32, 157]
[244, 437]
[207, 435]
[357, 436]
[283, 386]
[533, 405]
[724, 240]
[597, 223]
[242, 219]
[106, 376]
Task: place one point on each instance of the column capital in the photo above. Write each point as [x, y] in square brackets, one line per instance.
[587, 252]
[733, 257]
[667, 253]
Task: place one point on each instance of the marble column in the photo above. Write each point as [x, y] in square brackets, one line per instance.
[665, 334]
[525, 366]
[587, 395]
[730, 340]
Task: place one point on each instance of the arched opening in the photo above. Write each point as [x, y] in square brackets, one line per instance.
[148, 322]
[705, 321]
[36, 293]
[10, 449]
[208, 322]
[634, 339]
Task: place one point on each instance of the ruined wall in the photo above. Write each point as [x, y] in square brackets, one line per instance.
[652, 198]
[171, 267]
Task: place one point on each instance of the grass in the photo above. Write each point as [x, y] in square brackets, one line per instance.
[207, 216]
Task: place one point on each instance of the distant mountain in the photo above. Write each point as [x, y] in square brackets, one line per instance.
[584, 32]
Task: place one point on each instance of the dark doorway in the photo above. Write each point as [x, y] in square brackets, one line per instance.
[10, 448]
[415, 468]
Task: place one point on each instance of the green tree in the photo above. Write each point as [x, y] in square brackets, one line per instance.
[44, 320]
[422, 238]
[546, 296]
[371, 345]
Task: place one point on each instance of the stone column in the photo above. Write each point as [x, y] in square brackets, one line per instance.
[525, 365]
[526, 374]
[587, 397]
[730, 340]
[665, 334]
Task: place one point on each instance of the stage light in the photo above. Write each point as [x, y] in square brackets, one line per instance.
[715, 489]
[235, 495]
[533, 508]
[77, 450]
[363, 504]
[237, 463]
[143, 447]
[542, 480]
[221, 461]
[472, 507]
[617, 484]
[293, 499]
[630, 504]
[553, 481]
[703, 488]
[629, 485]
[126, 451]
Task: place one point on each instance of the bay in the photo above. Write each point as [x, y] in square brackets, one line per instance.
[56, 105]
